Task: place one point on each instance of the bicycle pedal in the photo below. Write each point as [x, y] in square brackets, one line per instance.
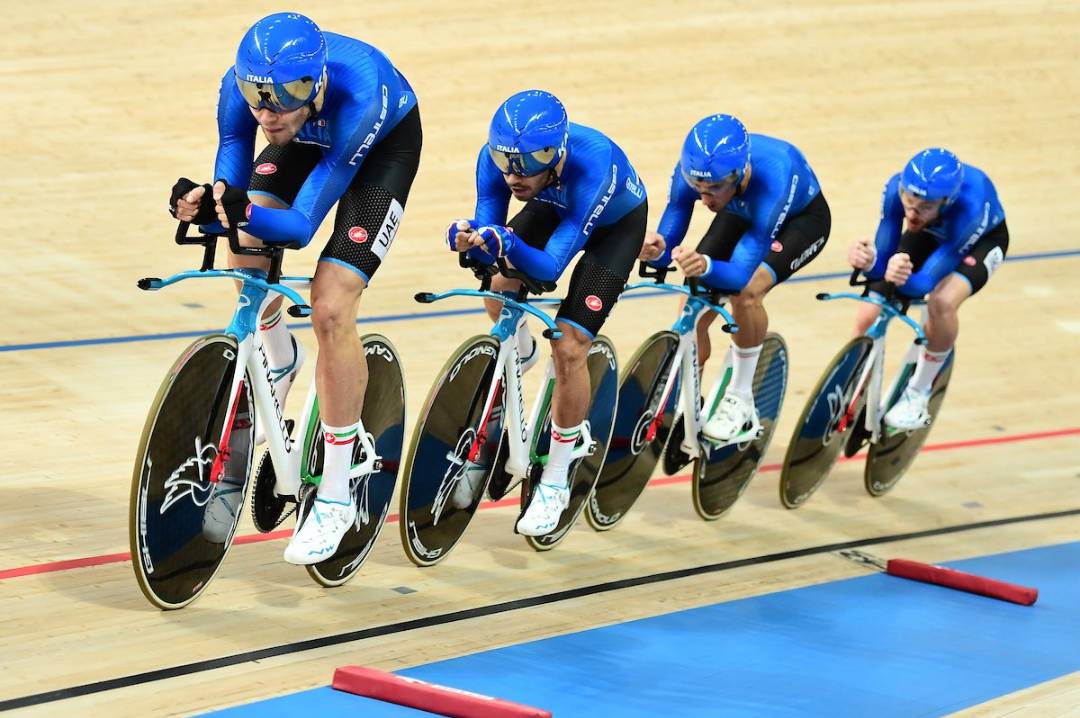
[741, 438]
[306, 490]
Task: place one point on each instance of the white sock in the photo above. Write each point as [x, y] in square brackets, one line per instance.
[277, 341]
[524, 339]
[556, 473]
[927, 368]
[337, 460]
[743, 365]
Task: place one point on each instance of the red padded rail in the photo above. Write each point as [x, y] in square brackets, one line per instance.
[969, 582]
[430, 697]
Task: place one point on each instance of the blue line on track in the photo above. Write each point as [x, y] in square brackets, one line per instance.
[413, 316]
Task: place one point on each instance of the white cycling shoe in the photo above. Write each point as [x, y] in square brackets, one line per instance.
[468, 485]
[544, 511]
[319, 536]
[735, 420]
[911, 412]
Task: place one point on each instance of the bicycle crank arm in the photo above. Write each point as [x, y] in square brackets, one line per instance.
[372, 462]
[752, 434]
[588, 445]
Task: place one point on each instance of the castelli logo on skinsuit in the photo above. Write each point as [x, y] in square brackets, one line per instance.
[369, 140]
[593, 302]
[266, 168]
[358, 235]
[777, 247]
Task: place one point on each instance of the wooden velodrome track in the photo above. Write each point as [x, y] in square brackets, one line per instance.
[109, 102]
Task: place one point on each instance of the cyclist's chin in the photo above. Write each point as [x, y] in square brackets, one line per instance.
[279, 137]
[523, 193]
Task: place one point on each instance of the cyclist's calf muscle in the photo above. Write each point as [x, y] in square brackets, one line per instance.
[942, 305]
[570, 403]
[749, 311]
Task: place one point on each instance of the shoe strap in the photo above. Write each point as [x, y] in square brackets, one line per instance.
[552, 487]
[526, 359]
[320, 500]
[281, 373]
[728, 404]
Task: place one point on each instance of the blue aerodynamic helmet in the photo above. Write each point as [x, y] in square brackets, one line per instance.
[528, 133]
[717, 147]
[281, 63]
[933, 174]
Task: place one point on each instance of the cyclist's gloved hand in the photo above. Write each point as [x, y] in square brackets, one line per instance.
[463, 227]
[190, 202]
[233, 205]
[497, 241]
[477, 254]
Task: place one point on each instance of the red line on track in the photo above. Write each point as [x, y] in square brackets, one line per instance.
[54, 566]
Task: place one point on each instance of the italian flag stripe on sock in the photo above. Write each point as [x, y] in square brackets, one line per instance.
[569, 436]
[342, 438]
[270, 322]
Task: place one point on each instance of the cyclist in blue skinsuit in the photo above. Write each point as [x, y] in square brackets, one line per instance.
[954, 240]
[771, 220]
[581, 195]
[344, 127]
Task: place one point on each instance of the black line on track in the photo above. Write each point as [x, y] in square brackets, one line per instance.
[496, 608]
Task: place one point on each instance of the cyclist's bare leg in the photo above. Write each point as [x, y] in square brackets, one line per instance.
[340, 371]
[340, 379]
[865, 316]
[526, 344]
[241, 261]
[499, 283]
[704, 343]
[748, 309]
[737, 407]
[943, 322]
[911, 411]
[283, 353]
[570, 401]
[569, 406]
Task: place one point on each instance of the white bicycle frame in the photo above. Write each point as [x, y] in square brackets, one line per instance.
[873, 372]
[251, 361]
[521, 433]
[685, 364]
